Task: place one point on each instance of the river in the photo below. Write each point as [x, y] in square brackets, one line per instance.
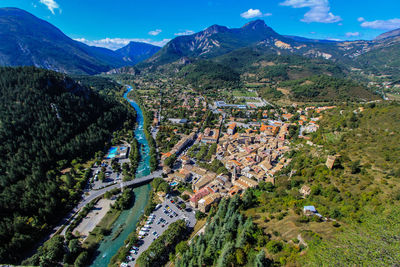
[128, 218]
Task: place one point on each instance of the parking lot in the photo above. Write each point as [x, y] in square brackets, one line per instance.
[166, 214]
[111, 176]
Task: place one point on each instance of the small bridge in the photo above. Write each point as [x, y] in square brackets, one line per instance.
[132, 183]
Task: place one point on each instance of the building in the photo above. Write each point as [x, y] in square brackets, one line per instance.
[210, 135]
[269, 130]
[205, 203]
[235, 190]
[330, 162]
[305, 190]
[178, 121]
[231, 129]
[270, 179]
[309, 210]
[244, 182]
[179, 147]
[199, 195]
[287, 116]
[202, 182]
[197, 173]
[222, 104]
[183, 175]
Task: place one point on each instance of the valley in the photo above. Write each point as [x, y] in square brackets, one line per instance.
[224, 147]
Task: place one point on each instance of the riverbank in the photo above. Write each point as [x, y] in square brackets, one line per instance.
[126, 222]
[94, 217]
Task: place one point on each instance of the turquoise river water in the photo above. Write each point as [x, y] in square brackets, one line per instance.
[128, 218]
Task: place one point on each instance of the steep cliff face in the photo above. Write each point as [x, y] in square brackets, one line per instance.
[214, 41]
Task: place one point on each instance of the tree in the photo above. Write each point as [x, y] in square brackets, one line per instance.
[102, 176]
[248, 198]
[74, 246]
[240, 256]
[170, 160]
[269, 187]
[81, 260]
[199, 215]
[181, 247]
[274, 246]
[164, 187]
[355, 167]
[260, 259]
[226, 252]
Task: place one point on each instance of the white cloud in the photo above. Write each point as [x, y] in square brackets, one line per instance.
[51, 5]
[186, 32]
[116, 43]
[254, 13]
[155, 32]
[319, 10]
[360, 19]
[352, 34]
[390, 24]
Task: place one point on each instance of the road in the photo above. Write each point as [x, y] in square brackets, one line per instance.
[97, 193]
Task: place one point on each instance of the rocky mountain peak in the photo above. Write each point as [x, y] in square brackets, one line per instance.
[215, 29]
[255, 25]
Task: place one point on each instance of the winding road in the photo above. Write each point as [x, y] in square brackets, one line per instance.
[97, 193]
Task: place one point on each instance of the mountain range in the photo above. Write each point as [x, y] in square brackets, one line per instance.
[219, 40]
[28, 40]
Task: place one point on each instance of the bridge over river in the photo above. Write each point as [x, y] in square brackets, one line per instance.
[132, 183]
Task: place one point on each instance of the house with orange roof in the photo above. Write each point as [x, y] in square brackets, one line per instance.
[287, 116]
[269, 129]
[231, 129]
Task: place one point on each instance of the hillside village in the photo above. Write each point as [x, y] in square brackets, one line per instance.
[248, 143]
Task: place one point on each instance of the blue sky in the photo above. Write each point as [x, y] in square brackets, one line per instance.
[114, 23]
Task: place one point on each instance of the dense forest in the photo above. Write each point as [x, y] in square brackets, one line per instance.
[47, 121]
[103, 85]
[207, 74]
[229, 239]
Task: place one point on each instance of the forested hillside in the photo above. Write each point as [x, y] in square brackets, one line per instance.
[382, 61]
[229, 239]
[207, 74]
[47, 120]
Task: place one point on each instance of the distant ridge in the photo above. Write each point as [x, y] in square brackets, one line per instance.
[135, 52]
[26, 40]
[394, 33]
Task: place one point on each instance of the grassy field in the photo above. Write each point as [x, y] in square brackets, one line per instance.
[146, 92]
[289, 228]
[242, 93]
[198, 226]
[393, 97]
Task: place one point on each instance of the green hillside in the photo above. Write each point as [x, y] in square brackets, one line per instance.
[382, 61]
[325, 88]
[207, 74]
[47, 121]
